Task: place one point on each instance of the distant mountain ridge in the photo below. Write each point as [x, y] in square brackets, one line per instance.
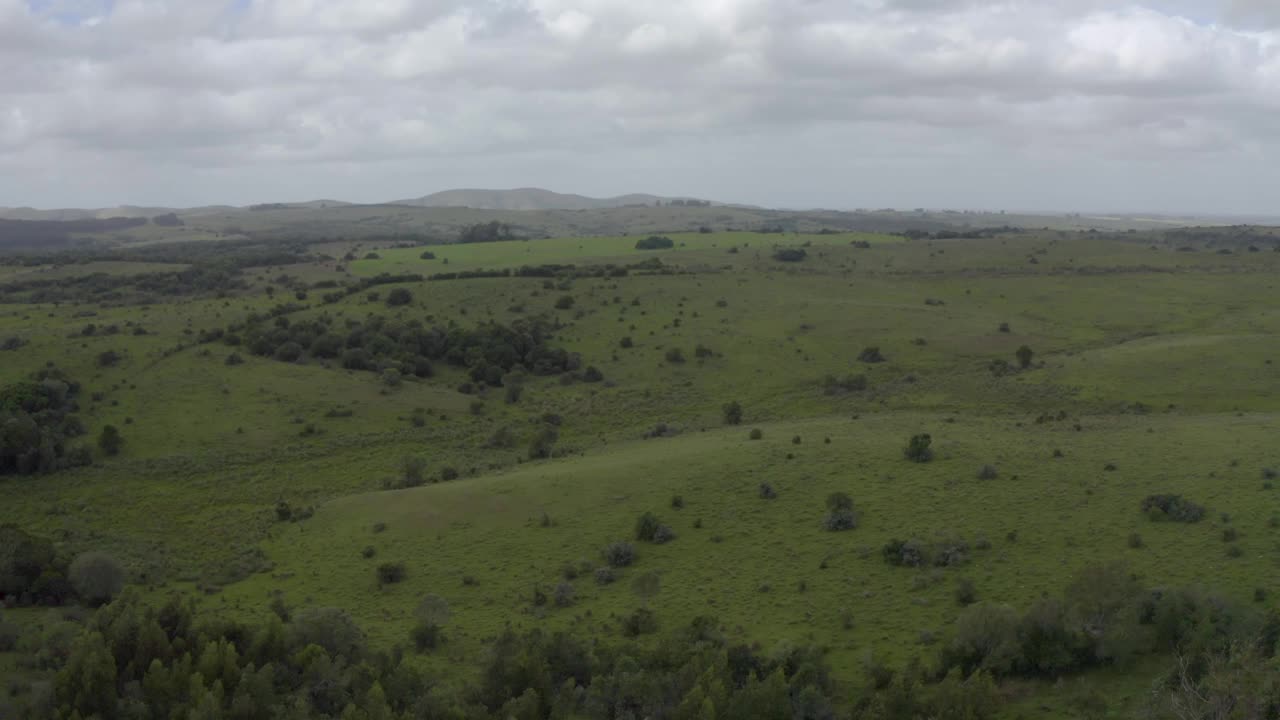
[534, 199]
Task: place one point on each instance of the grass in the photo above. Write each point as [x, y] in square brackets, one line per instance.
[1158, 362]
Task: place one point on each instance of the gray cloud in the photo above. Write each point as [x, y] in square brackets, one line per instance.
[1015, 103]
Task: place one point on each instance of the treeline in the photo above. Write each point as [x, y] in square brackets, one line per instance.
[37, 425]
[965, 234]
[486, 232]
[488, 351]
[43, 234]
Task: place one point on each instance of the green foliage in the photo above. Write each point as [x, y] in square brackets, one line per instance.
[918, 449]
[1172, 507]
[655, 242]
[790, 254]
[732, 413]
[96, 577]
[110, 441]
[399, 297]
[1024, 355]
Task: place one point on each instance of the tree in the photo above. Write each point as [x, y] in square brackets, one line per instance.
[1025, 354]
[733, 413]
[109, 440]
[432, 614]
[96, 577]
[918, 449]
[398, 297]
[655, 242]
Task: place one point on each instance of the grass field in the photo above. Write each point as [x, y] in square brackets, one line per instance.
[1155, 362]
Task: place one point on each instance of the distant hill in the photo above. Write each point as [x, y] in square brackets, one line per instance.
[534, 199]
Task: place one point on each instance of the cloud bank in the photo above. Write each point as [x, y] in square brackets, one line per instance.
[1046, 104]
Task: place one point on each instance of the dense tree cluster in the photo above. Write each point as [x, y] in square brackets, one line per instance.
[37, 425]
[486, 232]
[655, 242]
[489, 351]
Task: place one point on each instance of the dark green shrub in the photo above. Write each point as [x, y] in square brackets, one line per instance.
[604, 575]
[675, 355]
[988, 472]
[96, 577]
[647, 526]
[790, 254]
[288, 352]
[839, 520]
[110, 441]
[619, 554]
[766, 491]
[564, 302]
[664, 534]
[908, 553]
[1024, 355]
[234, 359]
[389, 573]
[871, 354]
[677, 502]
[732, 413]
[756, 434]
[655, 242]
[918, 449]
[1172, 507]
[565, 595]
[399, 297]
[640, 622]
[839, 501]
[966, 593]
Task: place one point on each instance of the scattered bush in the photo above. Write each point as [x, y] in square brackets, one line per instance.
[871, 354]
[677, 502]
[675, 356]
[790, 254]
[732, 413]
[399, 297]
[1172, 507]
[966, 593]
[655, 242]
[1024, 355]
[619, 554]
[389, 573]
[839, 501]
[918, 449]
[640, 622]
[647, 526]
[839, 520]
[565, 595]
[110, 441]
[604, 575]
[756, 434]
[564, 302]
[664, 534]
[767, 492]
[988, 472]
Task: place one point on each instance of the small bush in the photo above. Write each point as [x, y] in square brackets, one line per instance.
[399, 297]
[790, 254]
[839, 520]
[756, 434]
[988, 472]
[619, 554]
[966, 593]
[918, 449]
[839, 501]
[647, 526]
[1234, 551]
[389, 573]
[565, 595]
[871, 354]
[368, 552]
[677, 502]
[795, 440]
[1135, 541]
[234, 359]
[732, 413]
[1172, 507]
[655, 242]
[605, 576]
[640, 622]
[626, 343]
[1230, 535]
[426, 636]
[110, 441]
[675, 355]
[564, 302]
[909, 553]
[767, 492]
[664, 534]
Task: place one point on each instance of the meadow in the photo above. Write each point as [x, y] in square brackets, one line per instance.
[1151, 372]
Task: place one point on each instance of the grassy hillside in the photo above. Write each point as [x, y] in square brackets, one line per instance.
[1151, 372]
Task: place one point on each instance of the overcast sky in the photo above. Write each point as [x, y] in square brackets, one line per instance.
[1022, 104]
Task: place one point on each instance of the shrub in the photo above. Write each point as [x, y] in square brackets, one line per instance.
[655, 242]
[647, 526]
[619, 554]
[1172, 507]
[390, 573]
[398, 297]
[732, 413]
[426, 637]
[839, 520]
[918, 449]
[108, 358]
[109, 440]
[790, 254]
[1004, 327]
[234, 359]
[1230, 535]
[368, 552]
[565, 595]
[413, 471]
[677, 502]
[288, 352]
[756, 434]
[871, 354]
[966, 593]
[675, 355]
[839, 501]
[564, 302]
[427, 255]
[626, 342]
[604, 575]
[849, 383]
[988, 472]
[767, 492]
[96, 577]
[1024, 355]
[448, 473]
[1135, 541]
[909, 553]
[664, 534]
[795, 440]
[640, 622]
[592, 374]
[1234, 551]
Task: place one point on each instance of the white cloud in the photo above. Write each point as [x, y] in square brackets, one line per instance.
[285, 98]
